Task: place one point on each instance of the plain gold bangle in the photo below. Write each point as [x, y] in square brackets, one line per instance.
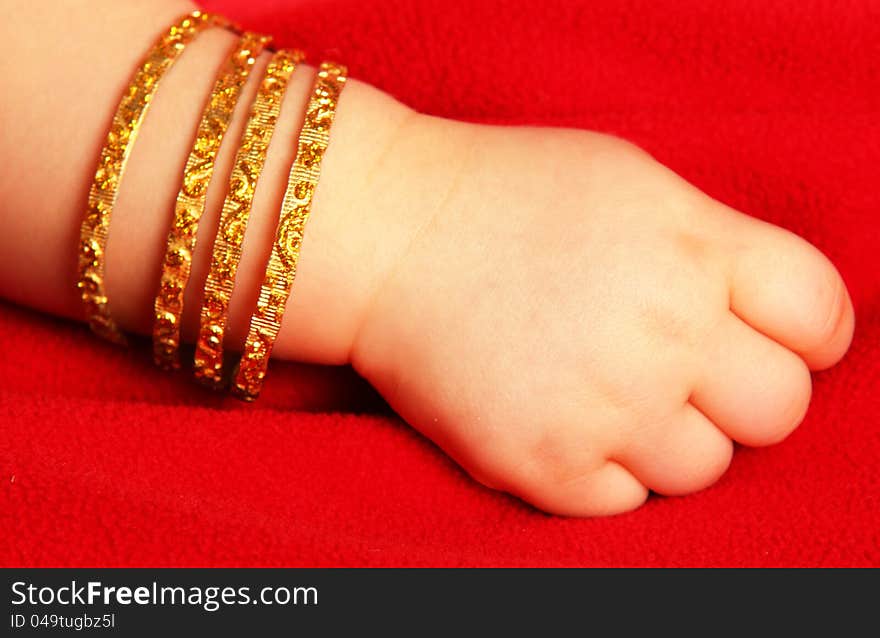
[281, 271]
[249, 160]
[190, 204]
[120, 139]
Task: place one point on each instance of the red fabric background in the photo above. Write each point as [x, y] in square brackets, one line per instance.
[769, 106]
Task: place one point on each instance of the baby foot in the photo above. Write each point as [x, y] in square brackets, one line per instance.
[576, 325]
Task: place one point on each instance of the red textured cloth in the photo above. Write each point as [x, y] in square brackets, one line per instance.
[771, 107]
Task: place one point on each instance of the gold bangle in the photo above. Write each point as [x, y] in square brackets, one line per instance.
[114, 156]
[248, 165]
[281, 271]
[190, 204]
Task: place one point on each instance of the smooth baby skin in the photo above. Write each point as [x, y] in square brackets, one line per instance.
[577, 325]
[567, 318]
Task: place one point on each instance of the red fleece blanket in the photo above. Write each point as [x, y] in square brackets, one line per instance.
[769, 106]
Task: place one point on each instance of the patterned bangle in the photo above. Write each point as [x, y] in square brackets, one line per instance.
[190, 205]
[248, 165]
[114, 156]
[281, 271]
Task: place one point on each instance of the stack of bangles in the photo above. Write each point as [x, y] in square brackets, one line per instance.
[247, 378]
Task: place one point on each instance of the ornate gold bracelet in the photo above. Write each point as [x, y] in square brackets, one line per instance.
[111, 165]
[281, 271]
[248, 165]
[190, 204]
